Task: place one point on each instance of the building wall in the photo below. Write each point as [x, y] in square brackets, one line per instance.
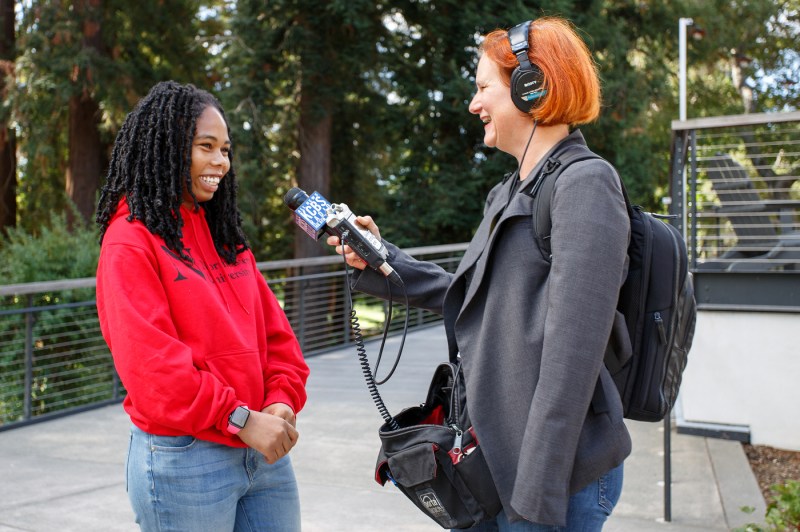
[744, 369]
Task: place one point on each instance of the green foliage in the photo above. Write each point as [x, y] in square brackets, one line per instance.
[783, 511]
[439, 171]
[55, 253]
[395, 80]
[154, 42]
[71, 364]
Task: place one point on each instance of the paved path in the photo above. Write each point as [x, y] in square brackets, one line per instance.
[67, 474]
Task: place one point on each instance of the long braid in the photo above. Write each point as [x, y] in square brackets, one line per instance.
[151, 167]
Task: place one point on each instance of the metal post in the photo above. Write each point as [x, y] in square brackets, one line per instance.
[693, 196]
[678, 182]
[347, 306]
[27, 409]
[301, 336]
[683, 23]
[667, 469]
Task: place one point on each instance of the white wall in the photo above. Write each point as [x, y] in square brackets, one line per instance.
[744, 369]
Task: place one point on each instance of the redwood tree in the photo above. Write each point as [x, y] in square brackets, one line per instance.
[83, 65]
[8, 156]
[84, 166]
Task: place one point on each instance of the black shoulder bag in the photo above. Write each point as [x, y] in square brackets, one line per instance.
[430, 452]
[432, 455]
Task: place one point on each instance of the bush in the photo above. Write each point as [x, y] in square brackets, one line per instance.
[783, 511]
[55, 253]
[70, 361]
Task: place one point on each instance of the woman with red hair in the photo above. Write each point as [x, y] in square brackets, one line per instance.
[532, 327]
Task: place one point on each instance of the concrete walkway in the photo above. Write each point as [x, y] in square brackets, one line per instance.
[68, 474]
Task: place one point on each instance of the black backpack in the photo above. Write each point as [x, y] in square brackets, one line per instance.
[657, 297]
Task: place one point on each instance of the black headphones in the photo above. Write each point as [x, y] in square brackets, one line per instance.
[527, 79]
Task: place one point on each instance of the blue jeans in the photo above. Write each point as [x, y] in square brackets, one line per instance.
[180, 483]
[587, 511]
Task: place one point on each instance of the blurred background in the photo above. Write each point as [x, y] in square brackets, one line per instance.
[365, 101]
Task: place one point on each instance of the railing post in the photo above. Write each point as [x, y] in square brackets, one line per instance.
[114, 385]
[678, 181]
[27, 400]
[668, 468]
[301, 316]
[693, 198]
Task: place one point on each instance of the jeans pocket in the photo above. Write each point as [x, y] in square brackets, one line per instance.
[128, 461]
[171, 443]
[610, 489]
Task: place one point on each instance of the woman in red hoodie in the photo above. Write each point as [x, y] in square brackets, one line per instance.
[213, 371]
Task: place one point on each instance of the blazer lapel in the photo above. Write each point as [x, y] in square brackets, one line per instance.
[478, 244]
[501, 210]
[520, 205]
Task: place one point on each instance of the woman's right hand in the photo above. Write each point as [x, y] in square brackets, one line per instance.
[350, 256]
[269, 434]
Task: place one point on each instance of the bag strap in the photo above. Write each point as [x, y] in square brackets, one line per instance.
[542, 193]
[544, 184]
[542, 190]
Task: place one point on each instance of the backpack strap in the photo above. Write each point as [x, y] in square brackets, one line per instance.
[541, 190]
[542, 194]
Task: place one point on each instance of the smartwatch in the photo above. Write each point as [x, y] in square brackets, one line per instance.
[238, 419]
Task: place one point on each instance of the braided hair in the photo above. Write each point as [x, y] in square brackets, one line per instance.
[151, 167]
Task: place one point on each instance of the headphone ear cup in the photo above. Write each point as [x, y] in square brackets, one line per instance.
[526, 87]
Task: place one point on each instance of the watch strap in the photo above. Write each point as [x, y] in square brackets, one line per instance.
[237, 419]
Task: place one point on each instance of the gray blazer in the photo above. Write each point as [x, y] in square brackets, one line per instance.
[532, 335]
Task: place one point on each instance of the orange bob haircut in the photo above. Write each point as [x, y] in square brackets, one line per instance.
[570, 73]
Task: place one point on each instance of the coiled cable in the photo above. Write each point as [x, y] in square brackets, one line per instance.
[361, 351]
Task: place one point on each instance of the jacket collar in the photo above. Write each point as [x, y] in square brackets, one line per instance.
[501, 208]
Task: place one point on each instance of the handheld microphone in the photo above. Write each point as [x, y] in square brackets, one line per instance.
[315, 215]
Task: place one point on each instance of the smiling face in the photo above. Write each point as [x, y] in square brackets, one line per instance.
[210, 156]
[502, 121]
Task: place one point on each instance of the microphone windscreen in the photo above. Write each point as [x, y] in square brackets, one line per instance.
[294, 198]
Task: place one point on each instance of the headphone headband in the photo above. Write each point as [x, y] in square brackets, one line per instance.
[527, 79]
[518, 38]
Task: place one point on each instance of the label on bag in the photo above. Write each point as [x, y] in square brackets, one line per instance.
[432, 504]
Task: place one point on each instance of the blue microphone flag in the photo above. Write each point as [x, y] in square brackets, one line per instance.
[312, 214]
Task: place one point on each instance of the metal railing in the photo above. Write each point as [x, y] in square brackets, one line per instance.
[54, 361]
[736, 188]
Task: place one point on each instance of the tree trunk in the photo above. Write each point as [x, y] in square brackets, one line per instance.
[8, 179]
[83, 171]
[314, 168]
[313, 174]
[8, 154]
[85, 149]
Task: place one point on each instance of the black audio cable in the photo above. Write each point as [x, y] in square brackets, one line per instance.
[369, 375]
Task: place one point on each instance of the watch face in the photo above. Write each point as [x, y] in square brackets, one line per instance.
[239, 417]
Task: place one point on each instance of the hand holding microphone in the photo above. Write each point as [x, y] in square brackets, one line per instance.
[353, 259]
[316, 215]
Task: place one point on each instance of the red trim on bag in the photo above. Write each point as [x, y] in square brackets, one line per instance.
[436, 417]
[378, 470]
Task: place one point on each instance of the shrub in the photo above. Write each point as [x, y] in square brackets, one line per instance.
[71, 365]
[55, 253]
[783, 511]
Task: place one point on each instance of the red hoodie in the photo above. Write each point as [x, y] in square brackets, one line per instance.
[191, 342]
